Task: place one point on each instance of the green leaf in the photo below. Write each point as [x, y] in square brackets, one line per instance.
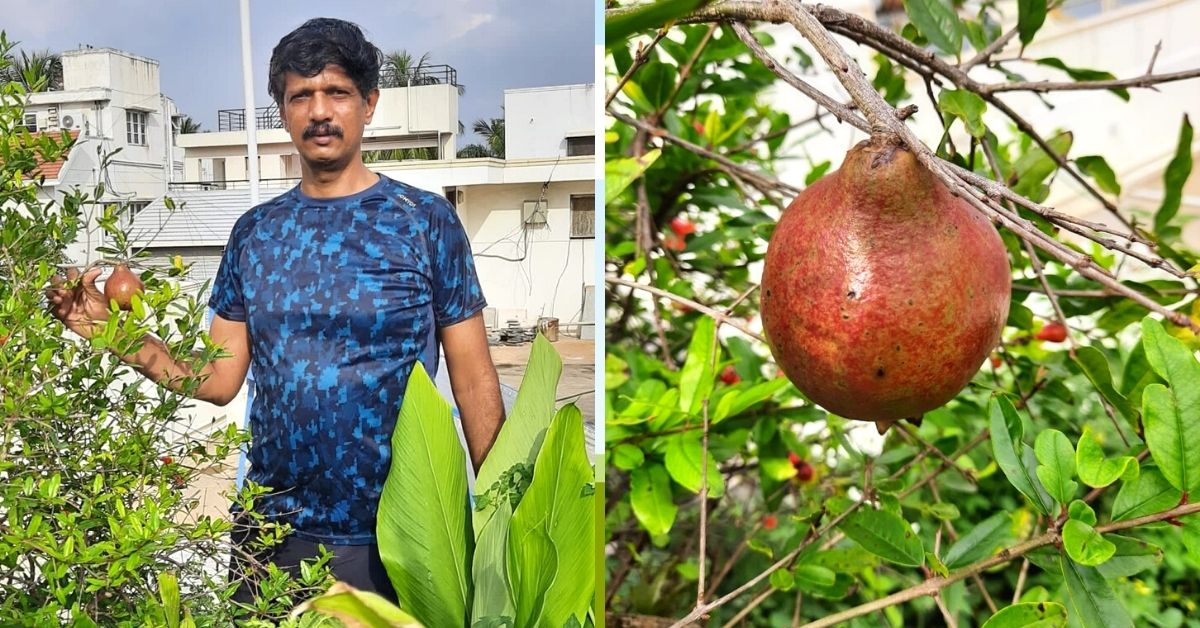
[1081, 511]
[1036, 164]
[1011, 455]
[886, 535]
[1132, 556]
[168, 591]
[1175, 176]
[556, 506]
[1057, 467]
[1084, 544]
[1090, 601]
[696, 377]
[683, 460]
[650, 495]
[619, 27]
[1094, 469]
[1191, 536]
[627, 457]
[815, 576]
[521, 435]
[1031, 14]
[423, 525]
[1081, 74]
[979, 543]
[782, 579]
[619, 174]
[1173, 444]
[1146, 494]
[358, 608]
[492, 597]
[966, 106]
[1095, 367]
[938, 22]
[1097, 168]
[1030, 615]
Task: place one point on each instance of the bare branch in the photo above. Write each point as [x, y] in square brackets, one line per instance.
[1146, 80]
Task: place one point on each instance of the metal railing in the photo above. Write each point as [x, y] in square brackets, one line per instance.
[268, 117]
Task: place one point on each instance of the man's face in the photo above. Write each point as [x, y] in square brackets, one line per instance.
[325, 115]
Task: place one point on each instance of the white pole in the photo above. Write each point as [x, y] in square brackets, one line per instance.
[250, 117]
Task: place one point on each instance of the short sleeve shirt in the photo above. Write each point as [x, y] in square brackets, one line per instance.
[341, 297]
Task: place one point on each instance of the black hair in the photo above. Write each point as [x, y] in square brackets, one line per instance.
[320, 42]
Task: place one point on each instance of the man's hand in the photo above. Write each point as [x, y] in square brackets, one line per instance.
[475, 384]
[77, 302]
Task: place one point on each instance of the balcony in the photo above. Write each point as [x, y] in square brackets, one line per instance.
[268, 117]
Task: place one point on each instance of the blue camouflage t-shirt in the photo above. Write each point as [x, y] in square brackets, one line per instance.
[340, 297]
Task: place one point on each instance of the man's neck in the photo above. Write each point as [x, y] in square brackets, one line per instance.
[335, 183]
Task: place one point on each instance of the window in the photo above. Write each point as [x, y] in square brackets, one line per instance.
[31, 122]
[135, 127]
[581, 145]
[583, 216]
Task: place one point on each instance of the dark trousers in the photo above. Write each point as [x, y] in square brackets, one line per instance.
[356, 565]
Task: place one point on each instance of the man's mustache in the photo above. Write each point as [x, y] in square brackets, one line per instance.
[321, 129]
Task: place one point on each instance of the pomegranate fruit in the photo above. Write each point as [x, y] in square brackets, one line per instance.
[121, 286]
[882, 293]
[1053, 332]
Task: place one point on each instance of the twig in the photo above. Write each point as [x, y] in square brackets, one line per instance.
[1147, 80]
[758, 599]
[991, 49]
[718, 316]
[642, 56]
[910, 432]
[933, 585]
[1020, 580]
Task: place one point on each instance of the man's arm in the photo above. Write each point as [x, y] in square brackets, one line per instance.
[221, 379]
[475, 384]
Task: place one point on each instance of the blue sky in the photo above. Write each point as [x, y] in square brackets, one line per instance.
[494, 44]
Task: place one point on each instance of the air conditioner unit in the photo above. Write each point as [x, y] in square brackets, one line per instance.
[68, 122]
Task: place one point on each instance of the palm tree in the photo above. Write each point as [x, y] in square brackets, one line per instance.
[472, 151]
[37, 71]
[188, 125]
[492, 132]
[401, 69]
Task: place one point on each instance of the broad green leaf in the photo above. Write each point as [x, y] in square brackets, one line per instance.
[814, 576]
[938, 22]
[1136, 375]
[646, 16]
[1095, 367]
[423, 526]
[1174, 177]
[966, 106]
[1029, 615]
[886, 535]
[1094, 469]
[1031, 14]
[558, 505]
[696, 377]
[782, 579]
[1084, 544]
[1082, 74]
[168, 592]
[361, 609]
[1009, 449]
[979, 543]
[1079, 510]
[1132, 556]
[627, 457]
[1036, 164]
[650, 494]
[1090, 601]
[746, 399]
[621, 173]
[521, 435]
[616, 370]
[1098, 169]
[492, 597]
[1191, 536]
[683, 460]
[1057, 465]
[1174, 445]
[1146, 494]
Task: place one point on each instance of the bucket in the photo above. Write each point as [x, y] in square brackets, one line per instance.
[548, 327]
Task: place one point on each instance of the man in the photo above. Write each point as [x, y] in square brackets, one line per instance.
[333, 291]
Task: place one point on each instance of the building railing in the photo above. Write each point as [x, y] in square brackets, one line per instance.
[268, 117]
[241, 184]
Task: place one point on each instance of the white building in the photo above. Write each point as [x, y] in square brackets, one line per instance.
[111, 100]
[529, 217]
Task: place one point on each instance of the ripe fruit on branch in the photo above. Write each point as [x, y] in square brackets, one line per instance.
[882, 293]
[121, 286]
[804, 472]
[682, 226]
[730, 375]
[1053, 332]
